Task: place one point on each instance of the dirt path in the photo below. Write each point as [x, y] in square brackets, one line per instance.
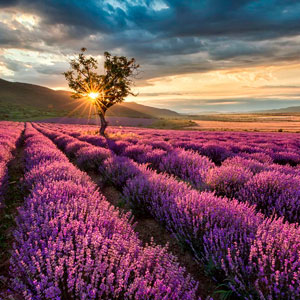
[13, 199]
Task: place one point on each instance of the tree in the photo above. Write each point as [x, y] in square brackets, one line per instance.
[104, 90]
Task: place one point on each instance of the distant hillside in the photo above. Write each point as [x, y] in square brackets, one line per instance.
[143, 109]
[290, 109]
[23, 100]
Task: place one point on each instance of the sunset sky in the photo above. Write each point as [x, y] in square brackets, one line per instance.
[195, 56]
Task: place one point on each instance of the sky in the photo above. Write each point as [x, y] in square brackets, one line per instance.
[195, 56]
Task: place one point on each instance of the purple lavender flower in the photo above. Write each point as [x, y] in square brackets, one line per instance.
[187, 165]
[274, 192]
[228, 180]
[259, 256]
[90, 158]
[251, 164]
[70, 243]
[285, 157]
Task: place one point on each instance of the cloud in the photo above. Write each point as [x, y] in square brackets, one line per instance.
[179, 27]
[280, 86]
[167, 37]
[13, 65]
[8, 37]
[195, 106]
[8, 3]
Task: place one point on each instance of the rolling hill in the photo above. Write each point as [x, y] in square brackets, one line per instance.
[24, 101]
[290, 109]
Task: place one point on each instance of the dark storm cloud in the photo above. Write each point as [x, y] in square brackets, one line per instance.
[8, 3]
[9, 37]
[93, 15]
[256, 19]
[178, 36]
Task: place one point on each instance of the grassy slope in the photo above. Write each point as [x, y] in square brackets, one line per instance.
[15, 112]
[22, 101]
[172, 124]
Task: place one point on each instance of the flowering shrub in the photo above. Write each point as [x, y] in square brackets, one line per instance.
[118, 146]
[187, 165]
[212, 227]
[286, 169]
[273, 266]
[228, 180]
[63, 140]
[74, 146]
[137, 152]
[259, 156]
[70, 243]
[258, 256]
[94, 140]
[118, 169]
[157, 144]
[215, 152]
[90, 158]
[9, 134]
[283, 158]
[154, 157]
[248, 163]
[274, 192]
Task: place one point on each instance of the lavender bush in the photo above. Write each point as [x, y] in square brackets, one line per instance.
[228, 180]
[258, 256]
[187, 165]
[70, 243]
[9, 134]
[274, 192]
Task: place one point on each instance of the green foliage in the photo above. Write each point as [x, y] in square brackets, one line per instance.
[173, 124]
[224, 293]
[118, 78]
[18, 112]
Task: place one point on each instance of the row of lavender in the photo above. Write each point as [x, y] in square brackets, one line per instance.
[9, 134]
[273, 188]
[70, 243]
[258, 256]
[279, 148]
[282, 148]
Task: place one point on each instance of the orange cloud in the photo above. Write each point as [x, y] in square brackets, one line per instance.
[254, 82]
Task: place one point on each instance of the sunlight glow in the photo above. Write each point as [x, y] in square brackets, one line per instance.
[93, 95]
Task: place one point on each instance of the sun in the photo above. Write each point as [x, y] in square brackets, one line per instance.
[93, 95]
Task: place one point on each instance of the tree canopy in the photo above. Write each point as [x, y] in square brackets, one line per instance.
[106, 89]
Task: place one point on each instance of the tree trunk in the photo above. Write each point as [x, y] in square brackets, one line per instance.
[104, 124]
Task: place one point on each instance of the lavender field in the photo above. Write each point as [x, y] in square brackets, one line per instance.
[230, 200]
